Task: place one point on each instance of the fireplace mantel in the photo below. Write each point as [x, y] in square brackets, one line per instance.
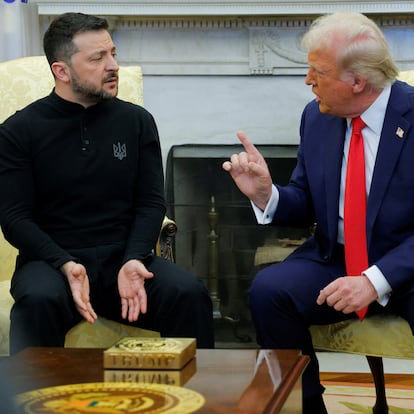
[221, 8]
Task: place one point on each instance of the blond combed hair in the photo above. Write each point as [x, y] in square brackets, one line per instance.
[360, 46]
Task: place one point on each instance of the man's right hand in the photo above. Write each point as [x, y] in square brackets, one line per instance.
[250, 173]
[79, 286]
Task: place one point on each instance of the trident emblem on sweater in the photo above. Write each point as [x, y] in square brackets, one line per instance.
[119, 151]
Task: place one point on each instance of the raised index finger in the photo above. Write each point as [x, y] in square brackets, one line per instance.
[248, 146]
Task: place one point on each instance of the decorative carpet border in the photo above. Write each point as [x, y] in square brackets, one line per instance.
[357, 398]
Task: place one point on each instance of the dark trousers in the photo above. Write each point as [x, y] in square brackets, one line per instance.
[282, 300]
[178, 303]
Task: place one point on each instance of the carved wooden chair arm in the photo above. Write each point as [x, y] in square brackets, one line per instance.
[164, 247]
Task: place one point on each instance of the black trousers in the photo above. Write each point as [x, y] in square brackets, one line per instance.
[178, 303]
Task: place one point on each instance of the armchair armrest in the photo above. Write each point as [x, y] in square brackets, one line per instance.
[164, 247]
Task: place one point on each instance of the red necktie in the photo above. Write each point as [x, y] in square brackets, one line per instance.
[355, 206]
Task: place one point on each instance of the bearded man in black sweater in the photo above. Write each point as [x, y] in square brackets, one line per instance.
[83, 202]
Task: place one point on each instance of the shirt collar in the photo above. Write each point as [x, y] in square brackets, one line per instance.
[375, 114]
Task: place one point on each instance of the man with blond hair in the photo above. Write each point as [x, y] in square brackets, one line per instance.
[353, 76]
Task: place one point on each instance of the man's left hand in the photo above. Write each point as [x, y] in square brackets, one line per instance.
[348, 294]
[131, 289]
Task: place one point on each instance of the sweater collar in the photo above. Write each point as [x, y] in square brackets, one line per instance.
[72, 107]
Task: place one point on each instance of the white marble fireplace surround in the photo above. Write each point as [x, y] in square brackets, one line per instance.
[213, 67]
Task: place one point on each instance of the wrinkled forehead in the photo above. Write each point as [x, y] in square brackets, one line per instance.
[93, 40]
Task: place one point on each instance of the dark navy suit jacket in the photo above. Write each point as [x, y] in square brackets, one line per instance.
[313, 192]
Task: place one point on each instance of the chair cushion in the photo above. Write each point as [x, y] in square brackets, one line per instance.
[380, 335]
[7, 259]
[6, 302]
[102, 334]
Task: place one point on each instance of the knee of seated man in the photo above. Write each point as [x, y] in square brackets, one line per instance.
[193, 289]
[266, 288]
[37, 299]
[266, 281]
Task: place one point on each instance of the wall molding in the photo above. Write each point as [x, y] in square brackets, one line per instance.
[230, 37]
[220, 8]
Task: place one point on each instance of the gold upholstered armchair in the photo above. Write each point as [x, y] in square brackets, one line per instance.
[21, 82]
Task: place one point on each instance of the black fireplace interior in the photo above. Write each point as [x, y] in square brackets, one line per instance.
[218, 237]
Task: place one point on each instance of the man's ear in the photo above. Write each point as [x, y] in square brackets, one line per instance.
[61, 71]
[358, 84]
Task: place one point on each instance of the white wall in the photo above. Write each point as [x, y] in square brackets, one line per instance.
[211, 68]
[210, 109]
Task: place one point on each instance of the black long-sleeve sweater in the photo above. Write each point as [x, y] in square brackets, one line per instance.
[72, 177]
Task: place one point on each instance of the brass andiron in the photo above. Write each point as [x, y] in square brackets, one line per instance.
[213, 260]
[213, 273]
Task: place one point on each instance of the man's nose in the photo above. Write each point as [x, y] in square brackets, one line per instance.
[112, 64]
[309, 78]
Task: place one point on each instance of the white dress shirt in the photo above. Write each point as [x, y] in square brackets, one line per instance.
[374, 119]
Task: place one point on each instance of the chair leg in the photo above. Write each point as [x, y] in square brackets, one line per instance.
[377, 370]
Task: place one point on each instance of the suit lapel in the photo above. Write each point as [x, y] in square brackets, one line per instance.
[392, 138]
[333, 160]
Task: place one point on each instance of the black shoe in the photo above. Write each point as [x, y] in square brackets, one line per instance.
[314, 405]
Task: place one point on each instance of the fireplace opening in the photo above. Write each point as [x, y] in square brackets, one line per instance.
[218, 238]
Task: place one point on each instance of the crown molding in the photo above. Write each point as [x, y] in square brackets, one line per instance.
[220, 8]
